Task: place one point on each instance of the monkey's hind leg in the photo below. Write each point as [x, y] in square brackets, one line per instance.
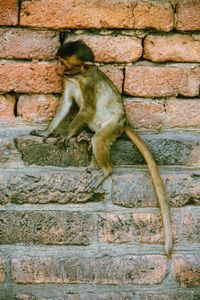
[101, 143]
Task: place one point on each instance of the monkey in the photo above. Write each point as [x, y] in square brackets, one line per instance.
[101, 109]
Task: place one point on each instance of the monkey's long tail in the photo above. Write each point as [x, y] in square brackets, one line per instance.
[158, 185]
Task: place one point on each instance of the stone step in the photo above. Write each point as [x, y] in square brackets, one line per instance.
[168, 148]
[127, 187]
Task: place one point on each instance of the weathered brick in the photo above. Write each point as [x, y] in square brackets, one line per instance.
[7, 106]
[38, 187]
[97, 14]
[167, 150]
[35, 151]
[112, 48]
[41, 77]
[149, 269]
[188, 15]
[183, 112]
[191, 221]
[25, 43]
[166, 294]
[2, 269]
[175, 294]
[153, 81]
[134, 189]
[8, 12]
[145, 114]
[8, 151]
[37, 108]
[173, 47]
[154, 14]
[187, 270]
[145, 228]
[26, 77]
[76, 296]
[47, 227]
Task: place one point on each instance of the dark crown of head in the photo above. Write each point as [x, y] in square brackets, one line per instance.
[78, 48]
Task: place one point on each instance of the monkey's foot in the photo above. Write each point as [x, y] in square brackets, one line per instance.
[95, 180]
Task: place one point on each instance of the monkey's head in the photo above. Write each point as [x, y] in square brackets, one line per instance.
[74, 54]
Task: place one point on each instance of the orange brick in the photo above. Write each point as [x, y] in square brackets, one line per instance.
[41, 77]
[26, 77]
[145, 114]
[112, 48]
[8, 12]
[7, 105]
[153, 81]
[176, 47]
[25, 43]
[37, 108]
[97, 14]
[154, 14]
[188, 15]
[183, 112]
[115, 75]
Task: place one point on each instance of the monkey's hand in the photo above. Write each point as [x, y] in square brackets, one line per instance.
[43, 133]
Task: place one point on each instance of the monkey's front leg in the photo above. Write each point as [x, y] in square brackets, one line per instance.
[62, 111]
[78, 122]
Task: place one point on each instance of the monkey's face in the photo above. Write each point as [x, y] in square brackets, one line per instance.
[68, 63]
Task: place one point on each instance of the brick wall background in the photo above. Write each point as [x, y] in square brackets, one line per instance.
[55, 244]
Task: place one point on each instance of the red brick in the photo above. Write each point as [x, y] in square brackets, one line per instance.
[145, 228]
[29, 77]
[188, 15]
[115, 75]
[97, 14]
[191, 223]
[2, 269]
[183, 112]
[153, 81]
[187, 270]
[112, 48]
[146, 114]
[176, 47]
[37, 108]
[8, 12]
[7, 105]
[129, 269]
[154, 14]
[24, 43]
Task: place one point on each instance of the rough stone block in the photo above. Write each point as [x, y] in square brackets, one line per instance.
[149, 269]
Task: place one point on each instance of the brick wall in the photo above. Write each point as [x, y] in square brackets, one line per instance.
[55, 243]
